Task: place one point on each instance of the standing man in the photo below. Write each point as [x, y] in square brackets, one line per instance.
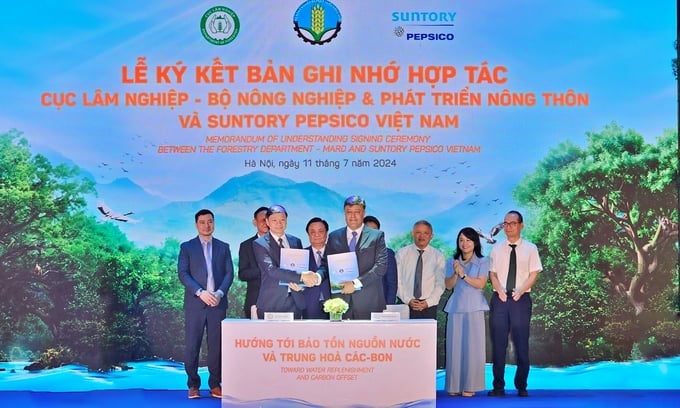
[515, 265]
[365, 293]
[274, 297]
[205, 269]
[247, 265]
[390, 277]
[317, 230]
[421, 270]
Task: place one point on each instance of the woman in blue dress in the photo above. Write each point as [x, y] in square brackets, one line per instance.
[465, 328]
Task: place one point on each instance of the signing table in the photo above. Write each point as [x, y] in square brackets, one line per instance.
[323, 363]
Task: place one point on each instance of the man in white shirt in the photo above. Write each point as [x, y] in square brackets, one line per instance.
[421, 269]
[515, 265]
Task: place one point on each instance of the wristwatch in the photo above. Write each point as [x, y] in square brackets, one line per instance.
[463, 277]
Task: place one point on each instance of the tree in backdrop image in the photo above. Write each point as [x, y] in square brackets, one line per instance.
[606, 219]
[75, 289]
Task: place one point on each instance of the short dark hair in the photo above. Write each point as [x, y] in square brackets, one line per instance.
[355, 200]
[374, 220]
[204, 211]
[518, 214]
[259, 210]
[316, 219]
[276, 208]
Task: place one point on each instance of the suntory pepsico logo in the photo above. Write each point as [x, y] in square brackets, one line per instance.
[220, 25]
[317, 21]
[428, 25]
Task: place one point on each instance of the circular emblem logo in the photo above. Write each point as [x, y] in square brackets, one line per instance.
[220, 25]
[317, 21]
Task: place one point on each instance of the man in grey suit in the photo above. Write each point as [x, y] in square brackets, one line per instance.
[205, 269]
[274, 297]
[248, 271]
[364, 294]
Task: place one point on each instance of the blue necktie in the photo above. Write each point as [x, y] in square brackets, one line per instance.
[353, 241]
[210, 284]
[318, 258]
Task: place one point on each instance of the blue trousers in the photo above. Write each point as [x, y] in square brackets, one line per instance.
[196, 322]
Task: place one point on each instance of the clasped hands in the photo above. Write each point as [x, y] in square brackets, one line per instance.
[516, 294]
[309, 278]
[211, 299]
[418, 305]
[458, 268]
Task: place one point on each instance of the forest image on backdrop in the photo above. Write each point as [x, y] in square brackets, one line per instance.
[604, 216]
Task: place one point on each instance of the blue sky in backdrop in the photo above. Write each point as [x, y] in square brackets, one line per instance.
[617, 52]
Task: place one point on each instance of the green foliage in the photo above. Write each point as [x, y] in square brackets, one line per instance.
[662, 341]
[236, 296]
[598, 348]
[165, 331]
[55, 357]
[593, 211]
[35, 200]
[71, 281]
[83, 292]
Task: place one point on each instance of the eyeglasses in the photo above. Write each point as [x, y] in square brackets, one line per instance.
[511, 224]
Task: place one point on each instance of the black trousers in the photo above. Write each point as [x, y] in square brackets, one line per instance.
[429, 313]
[510, 318]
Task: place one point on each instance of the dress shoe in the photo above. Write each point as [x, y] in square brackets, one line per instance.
[522, 393]
[194, 393]
[496, 393]
[216, 392]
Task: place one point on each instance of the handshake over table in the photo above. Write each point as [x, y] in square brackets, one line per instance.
[308, 278]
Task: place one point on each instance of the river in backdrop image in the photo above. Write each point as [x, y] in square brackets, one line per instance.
[659, 374]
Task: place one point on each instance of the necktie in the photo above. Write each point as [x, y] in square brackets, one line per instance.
[281, 242]
[418, 281]
[512, 270]
[353, 241]
[210, 283]
[318, 258]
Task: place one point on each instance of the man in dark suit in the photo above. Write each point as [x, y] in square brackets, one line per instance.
[364, 294]
[205, 269]
[248, 271]
[274, 297]
[317, 230]
[390, 280]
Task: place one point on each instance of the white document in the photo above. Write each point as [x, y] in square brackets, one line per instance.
[278, 316]
[401, 309]
[295, 260]
[342, 268]
[385, 316]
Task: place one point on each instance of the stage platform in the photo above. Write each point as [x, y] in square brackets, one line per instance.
[169, 399]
